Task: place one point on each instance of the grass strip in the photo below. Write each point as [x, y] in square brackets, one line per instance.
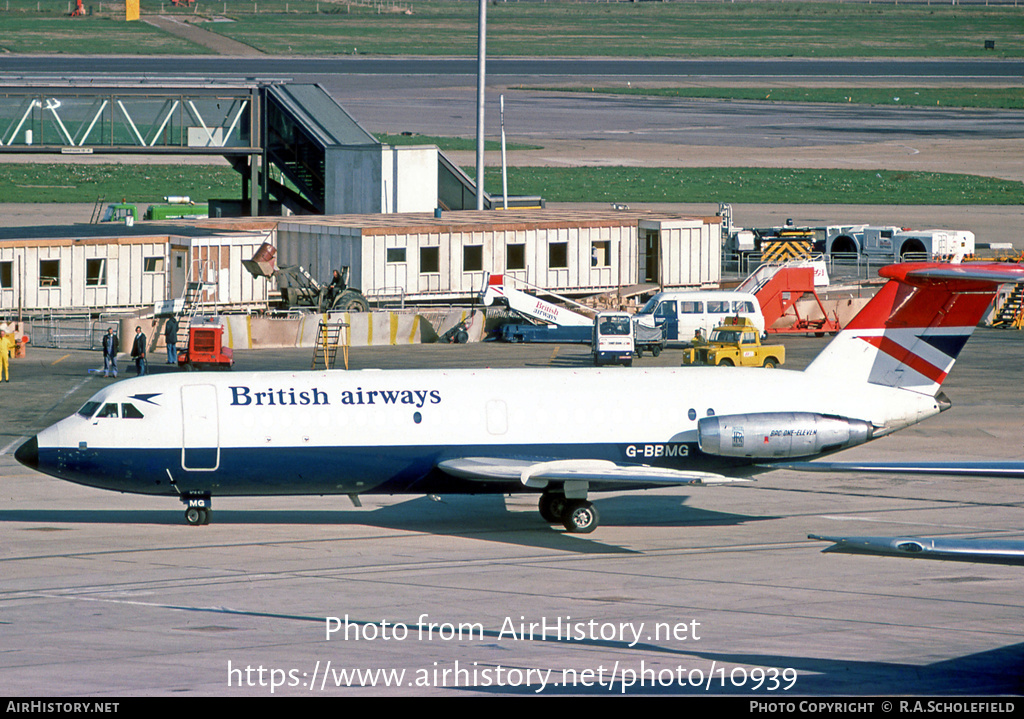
[38, 182]
[756, 185]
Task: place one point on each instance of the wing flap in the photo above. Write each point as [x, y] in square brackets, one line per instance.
[538, 473]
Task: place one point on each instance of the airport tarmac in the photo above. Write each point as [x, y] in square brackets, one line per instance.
[108, 595]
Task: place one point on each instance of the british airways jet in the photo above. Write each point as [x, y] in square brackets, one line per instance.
[560, 433]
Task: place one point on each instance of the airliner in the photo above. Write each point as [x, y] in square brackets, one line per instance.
[559, 433]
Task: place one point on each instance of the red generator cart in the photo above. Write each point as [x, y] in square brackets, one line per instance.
[205, 348]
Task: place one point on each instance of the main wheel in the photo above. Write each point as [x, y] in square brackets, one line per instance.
[196, 516]
[580, 517]
[552, 507]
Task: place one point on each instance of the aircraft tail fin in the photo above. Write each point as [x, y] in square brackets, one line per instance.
[910, 334]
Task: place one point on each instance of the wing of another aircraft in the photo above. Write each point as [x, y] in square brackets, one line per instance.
[538, 473]
[1011, 470]
[987, 551]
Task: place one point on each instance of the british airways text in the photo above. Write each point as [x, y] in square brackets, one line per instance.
[271, 397]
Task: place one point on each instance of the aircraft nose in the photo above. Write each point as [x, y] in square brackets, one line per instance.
[28, 453]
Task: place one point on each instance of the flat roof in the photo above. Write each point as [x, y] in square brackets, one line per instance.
[367, 225]
[491, 220]
[114, 232]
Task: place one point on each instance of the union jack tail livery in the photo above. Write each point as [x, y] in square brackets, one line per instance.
[912, 331]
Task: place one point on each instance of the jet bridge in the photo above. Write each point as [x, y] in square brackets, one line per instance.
[290, 142]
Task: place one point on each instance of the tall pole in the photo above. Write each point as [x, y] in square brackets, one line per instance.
[504, 168]
[481, 72]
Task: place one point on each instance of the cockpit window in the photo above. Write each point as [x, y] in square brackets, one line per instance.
[109, 410]
[128, 411]
[88, 409]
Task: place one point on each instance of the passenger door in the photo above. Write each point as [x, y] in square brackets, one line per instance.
[200, 431]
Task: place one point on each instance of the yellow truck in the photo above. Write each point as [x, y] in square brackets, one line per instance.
[736, 342]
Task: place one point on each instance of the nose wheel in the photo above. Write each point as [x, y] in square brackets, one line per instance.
[198, 510]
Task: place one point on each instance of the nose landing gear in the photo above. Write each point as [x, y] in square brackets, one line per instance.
[198, 509]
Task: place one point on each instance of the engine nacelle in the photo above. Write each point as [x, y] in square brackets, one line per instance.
[779, 435]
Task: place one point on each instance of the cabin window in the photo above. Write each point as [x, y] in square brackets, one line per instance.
[472, 258]
[88, 409]
[153, 264]
[430, 259]
[600, 253]
[49, 273]
[691, 308]
[719, 306]
[558, 254]
[128, 411]
[96, 273]
[515, 257]
[6, 275]
[743, 306]
[396, 254]
[109, 410]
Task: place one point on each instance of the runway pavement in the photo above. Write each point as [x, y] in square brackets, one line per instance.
[108, 595]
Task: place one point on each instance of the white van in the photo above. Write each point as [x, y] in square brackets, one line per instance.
[681, 313]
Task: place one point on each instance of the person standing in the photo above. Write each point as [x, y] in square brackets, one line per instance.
[110, 347]
[171, 337]
[6, 350]
[139, 352]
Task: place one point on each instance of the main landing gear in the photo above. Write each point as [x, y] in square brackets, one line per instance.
[198, 509]
[577, 515]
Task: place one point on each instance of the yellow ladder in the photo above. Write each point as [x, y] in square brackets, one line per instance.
[1011, 314]
[329, 337]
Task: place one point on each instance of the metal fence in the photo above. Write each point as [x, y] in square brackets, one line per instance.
[77, 332]
[842, 267]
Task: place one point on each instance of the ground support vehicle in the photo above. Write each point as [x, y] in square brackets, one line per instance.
[898, 244]
[560, 324]
[205, 349]
[681, 313]
[779, 287]
[735, 343]
[298, 288]
[612, 341]
[544, 333]
[128, 213]
[647, 337]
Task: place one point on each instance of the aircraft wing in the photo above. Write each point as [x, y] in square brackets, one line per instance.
[1011, 470]
[987, 551]
[538, 473]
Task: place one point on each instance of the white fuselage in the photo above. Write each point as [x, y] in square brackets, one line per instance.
[333, 430]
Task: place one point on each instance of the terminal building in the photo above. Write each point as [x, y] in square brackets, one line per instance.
[418, 257]
[428, 258]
